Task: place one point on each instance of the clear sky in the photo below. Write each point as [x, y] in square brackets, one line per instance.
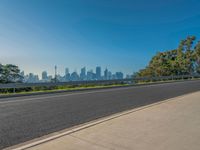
[122, 35]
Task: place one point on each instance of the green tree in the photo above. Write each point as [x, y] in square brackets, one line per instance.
[197, 57]
[181, 61]
[1, 72]
[10, 73]
[189, 55]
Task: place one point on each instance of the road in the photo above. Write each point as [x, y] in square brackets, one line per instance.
[28, 117]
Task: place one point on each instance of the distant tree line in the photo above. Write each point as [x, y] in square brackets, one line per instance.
[10, 73]
[185, 60]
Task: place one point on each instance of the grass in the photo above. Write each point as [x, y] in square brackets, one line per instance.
[57, 89]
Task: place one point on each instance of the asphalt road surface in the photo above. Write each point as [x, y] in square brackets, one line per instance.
[28, 117]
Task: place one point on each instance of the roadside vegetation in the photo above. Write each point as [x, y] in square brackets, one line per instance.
[58, 88]
[10, 73]
[184, 60]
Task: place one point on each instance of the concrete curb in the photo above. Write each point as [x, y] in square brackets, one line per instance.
[65, 132]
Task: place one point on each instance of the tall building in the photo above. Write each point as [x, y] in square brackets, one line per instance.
[129, 76]
[109, 75]
[119, 75]
[31, 78]
[67, 75]
[66, 71]
[74, 76]
[44, 75]
[83, 74]
[50, 78]
[59, 78]
[114, 76]
[98, 73]
[106, 74]
[90, 75]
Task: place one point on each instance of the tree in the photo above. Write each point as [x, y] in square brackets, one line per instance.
[10, 73]
[197, 57]
[1, 72]
[184, 60]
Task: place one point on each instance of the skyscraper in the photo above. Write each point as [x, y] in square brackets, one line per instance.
[106, 74]
[109, 75]
[74, 76]
[98, 73]
[119, 75]
[55, 73]
[44, 75]
[66, 71]
[31, 78]
[90, 75]
[67, 75]
[83, 73]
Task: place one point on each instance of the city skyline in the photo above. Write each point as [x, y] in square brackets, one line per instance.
[62, 71]
[84, 74]
[122, 35]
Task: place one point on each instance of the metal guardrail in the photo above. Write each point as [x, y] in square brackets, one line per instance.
[45, 84]
[97, 82]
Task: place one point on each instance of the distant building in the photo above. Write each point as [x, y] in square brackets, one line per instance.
[106, 74]
[44, 76]
[114, 76]
[98, 73]
[83, 74]
[67, 75]
[109, 75]
[50, 78]
[119, 75]
[66, 71]
[90, 75]
[74, 76]
[129, 76]
[31, 78]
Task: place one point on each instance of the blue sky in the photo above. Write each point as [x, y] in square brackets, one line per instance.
[122, 35]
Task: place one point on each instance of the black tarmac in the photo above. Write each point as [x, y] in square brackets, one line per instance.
[28, 117]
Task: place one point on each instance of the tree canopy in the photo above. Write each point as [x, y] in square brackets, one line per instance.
[185, 60]
[9, 73]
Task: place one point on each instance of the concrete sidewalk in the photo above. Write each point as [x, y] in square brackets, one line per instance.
[171, 125]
